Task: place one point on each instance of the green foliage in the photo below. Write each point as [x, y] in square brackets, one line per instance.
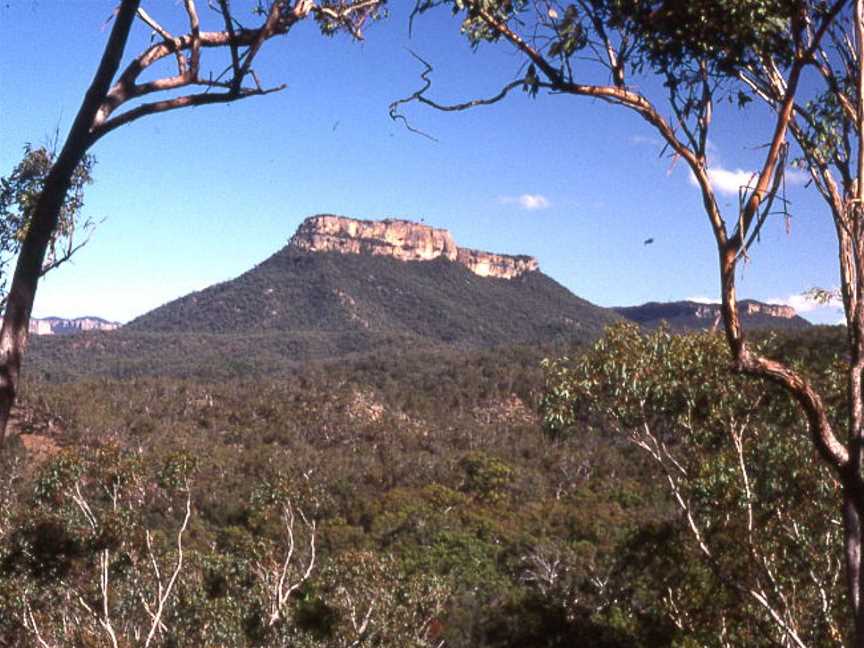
[434, 493]
[364, 295]
[19, 192]
[385, 359]
[728, 33]
[431, 511]
[485, 477]
[757, 513]
[662, 35]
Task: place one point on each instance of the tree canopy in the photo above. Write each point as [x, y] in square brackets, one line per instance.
[703, 53]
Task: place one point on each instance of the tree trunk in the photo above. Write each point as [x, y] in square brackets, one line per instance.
[16, 321]
[25, 280]
[852, 540]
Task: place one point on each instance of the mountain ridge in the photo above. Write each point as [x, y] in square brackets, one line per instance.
[346, 286]
[690, 315]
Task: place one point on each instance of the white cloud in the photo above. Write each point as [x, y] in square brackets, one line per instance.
[797, 177]
[805, 304]
[699, 299]
[729, 182]
[725, 181]
[526, 201]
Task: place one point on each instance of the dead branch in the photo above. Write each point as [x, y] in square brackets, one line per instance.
[420, 96]
[164, 593]
[281, 17]
[275, 575]
[643, 437]
[29, 623]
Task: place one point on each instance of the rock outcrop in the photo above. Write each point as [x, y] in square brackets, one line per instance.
[771, 310]
[503, 266]
[746, 307]
[695, 315]
[63, 326]
[405, 241]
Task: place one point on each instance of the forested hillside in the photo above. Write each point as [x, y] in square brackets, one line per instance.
[326, 292]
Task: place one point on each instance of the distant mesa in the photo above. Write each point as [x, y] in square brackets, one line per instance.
[403, 240]
[688, 315]
[343, 285]
[67, 326]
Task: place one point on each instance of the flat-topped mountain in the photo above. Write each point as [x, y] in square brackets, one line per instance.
[689, 315]
[403, 240]
[345, 288]
[339, 276]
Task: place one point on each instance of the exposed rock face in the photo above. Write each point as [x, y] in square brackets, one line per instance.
[772, 310]
[400, 239]
[403, 240]
[747, 307]
[62, 326]
[690, 315]
[488, 264]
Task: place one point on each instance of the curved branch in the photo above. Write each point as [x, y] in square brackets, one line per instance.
[831, 449]
[198, 99]
[420, 97]
[126, 87]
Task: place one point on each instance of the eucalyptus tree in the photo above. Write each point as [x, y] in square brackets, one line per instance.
[757, 520]
[800, 57]
[117, 97]
[19, 192]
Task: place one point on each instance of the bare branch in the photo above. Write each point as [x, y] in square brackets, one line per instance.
[163, 596]
[419, 96]
[166, 105]
[105, 619]
[30, 624]
[195, 34]
[225, 9]
[779, 174]
[275, 575]
[267, 30]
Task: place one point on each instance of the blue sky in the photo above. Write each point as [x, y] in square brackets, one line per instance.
[199, 196]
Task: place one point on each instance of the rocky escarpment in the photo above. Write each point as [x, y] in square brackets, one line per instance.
[65, 326]
[695, 315]
[748, 307]
[403, 240]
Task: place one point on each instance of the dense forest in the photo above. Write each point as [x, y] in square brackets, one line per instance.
[425, 498]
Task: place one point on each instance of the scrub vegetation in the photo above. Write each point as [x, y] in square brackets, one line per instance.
[428, 499]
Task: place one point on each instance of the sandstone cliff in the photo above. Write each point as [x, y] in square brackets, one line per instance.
[694, 315]
[746, 307]
[772, 310]
[62, 326]
[403, 240]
